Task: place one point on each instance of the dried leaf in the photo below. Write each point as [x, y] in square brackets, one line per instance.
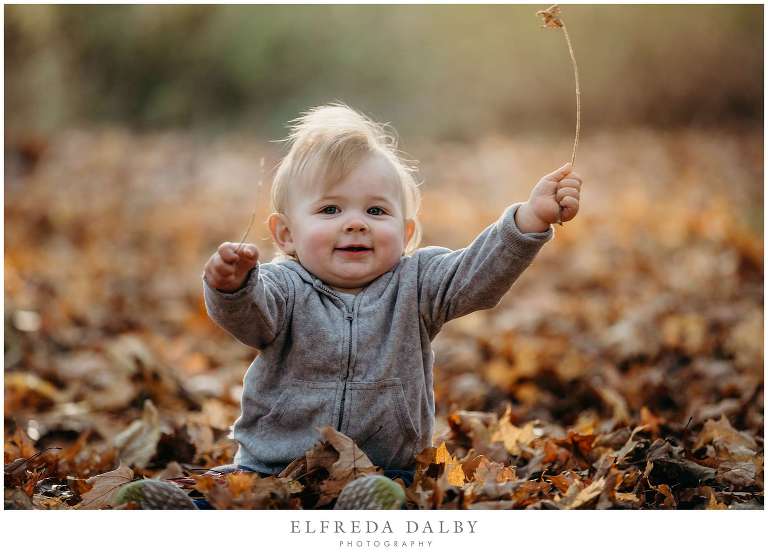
[24, 390]
[579, 495]
[740, 445]
[454, 474]
[352, 461]
[138, 442]
[442, 456]
[514, 437]
[104, 487]
[551, 17]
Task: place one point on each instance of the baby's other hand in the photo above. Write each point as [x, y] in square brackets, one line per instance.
[227, 269]
[556, 196]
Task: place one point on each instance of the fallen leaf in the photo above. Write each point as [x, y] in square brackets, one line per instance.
[514, 437]
[454, 474]
[442, 456]
[138, 442]
[617, 403]
[352, 461]
[104, 487]
[737, 474]
[579, 495]
[736, 445]
[24, 390]
[669, 498]
[712, 502]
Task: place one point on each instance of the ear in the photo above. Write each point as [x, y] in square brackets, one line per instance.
[410, 228]
[281, 233]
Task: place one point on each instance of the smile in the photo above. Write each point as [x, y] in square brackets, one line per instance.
[354, 250]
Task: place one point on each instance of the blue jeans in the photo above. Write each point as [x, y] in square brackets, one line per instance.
[203, 504]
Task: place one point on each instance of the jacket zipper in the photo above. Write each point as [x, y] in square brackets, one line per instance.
[349, 316]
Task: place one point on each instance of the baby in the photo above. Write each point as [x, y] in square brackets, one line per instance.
[345, 317]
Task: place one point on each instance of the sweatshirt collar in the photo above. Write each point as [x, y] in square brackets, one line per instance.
[297, 267]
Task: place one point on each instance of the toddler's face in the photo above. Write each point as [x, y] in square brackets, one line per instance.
[353, 232]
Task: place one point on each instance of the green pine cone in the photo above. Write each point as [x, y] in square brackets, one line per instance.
[151, 494]
[374, 492]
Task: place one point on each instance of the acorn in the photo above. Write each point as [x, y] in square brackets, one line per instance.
[373, 492]
[151, 494]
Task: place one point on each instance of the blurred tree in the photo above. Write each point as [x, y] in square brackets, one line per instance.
[445, 71]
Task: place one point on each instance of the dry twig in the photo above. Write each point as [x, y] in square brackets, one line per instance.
[553, 20]
[245, 235]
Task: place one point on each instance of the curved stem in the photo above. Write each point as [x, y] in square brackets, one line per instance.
[242, 240]
[578, 94]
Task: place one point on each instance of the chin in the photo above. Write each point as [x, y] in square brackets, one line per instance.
[354, 280]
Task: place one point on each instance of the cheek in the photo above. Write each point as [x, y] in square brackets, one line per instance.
[316, 239]
[392, 238]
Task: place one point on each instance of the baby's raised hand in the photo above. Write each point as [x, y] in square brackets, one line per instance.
[555, 198]
[227, 269]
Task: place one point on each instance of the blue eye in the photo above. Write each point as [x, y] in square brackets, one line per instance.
[376, 211]
[329, 210]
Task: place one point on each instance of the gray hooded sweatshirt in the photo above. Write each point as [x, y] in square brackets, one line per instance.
[359, 363]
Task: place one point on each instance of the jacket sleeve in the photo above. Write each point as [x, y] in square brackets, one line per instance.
[455, 283]
[256, 313]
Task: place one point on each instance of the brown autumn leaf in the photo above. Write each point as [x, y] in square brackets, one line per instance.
[321, 456]
[427, 456]
[729, 443]
[18, 446]
[736, 474]
[650, 420]
[580, 495]
[470, 465]
[617, 403]
[442, 456]
[352, 461]
[245, 491]
[138, 442]
[494, 472]
[104, 487]
[712, 502]
[453, 473]
[29, 391]
[551, 17]
[513, 437]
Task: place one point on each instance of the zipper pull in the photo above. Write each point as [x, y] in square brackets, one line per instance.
[349, 316]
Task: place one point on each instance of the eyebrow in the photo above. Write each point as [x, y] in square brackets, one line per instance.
[369, 198]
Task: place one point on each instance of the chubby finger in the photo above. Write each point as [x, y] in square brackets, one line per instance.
[225, 284]
[567, 192]
[570, 182]
[569, 207]
[559, 174]
[248, 251]
[227, 252]
[222, 271]
[214, 279]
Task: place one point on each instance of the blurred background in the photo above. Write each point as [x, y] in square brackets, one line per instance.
[252, 68]
[138, 138]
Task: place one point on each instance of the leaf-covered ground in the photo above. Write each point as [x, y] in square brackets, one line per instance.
[623, 370]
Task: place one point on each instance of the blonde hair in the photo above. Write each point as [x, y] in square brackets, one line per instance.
[327, 143]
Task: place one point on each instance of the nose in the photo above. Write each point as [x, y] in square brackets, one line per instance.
[355, 224]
